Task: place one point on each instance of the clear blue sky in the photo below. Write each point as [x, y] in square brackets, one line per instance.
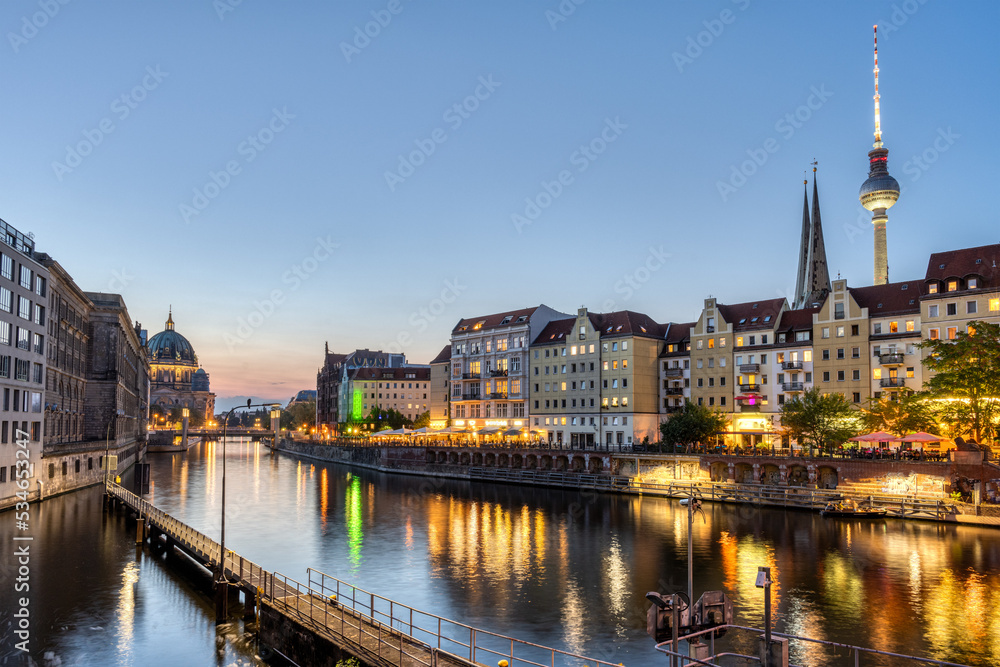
[331, 120]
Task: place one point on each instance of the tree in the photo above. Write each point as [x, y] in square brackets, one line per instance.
[908, 414]
[386, 418]
[695, 423]
[299, 415]
[820, 420]
[423, 420]
[966, 375]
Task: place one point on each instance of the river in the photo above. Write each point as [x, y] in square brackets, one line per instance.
[560, 568]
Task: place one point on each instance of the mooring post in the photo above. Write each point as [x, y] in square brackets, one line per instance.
[140, 529]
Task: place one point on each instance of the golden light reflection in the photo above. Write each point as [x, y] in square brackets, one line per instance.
[126, 610]
[324, 502]
[618, 584]
[741, 556]
[409, 535]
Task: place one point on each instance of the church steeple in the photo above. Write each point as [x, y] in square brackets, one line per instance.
[819, 274]
[813, 280]
[170, 319]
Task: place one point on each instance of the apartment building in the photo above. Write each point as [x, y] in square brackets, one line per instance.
[565, 377]
[675, 367]
[893, 335]
[840, 343]
[440, 392]
[630, 349]
[960, 286]
[489, 366]
[791, 359]
[405, 389]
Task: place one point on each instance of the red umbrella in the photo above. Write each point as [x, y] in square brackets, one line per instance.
[877, 436]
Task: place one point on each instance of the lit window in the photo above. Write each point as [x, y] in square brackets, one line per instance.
[909, 372]
[893, 327]
[877, 373]
[624, 363]
[605, 365]
[614, 365]
[932, 288]
[624, 400]
[972, 283]
[807, 355]
[952, 333]
[933, 334]
[739, 341]
[711, 343]
[994, 305]
[722, 342]
[909, 325]
[952, 285]
[572, 351]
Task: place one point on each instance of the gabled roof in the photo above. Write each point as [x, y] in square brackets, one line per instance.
[443, 356]
[752, 314]
[983, 261]
[556, 331]
[628, 323]
[889, 299]
[797, 320]
[508, 318]
[678, 332]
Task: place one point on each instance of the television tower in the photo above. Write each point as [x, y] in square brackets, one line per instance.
[881, 190]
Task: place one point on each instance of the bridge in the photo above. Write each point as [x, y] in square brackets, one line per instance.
[216, 433]
[318, 621]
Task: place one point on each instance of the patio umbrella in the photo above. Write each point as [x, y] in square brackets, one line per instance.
[920, 436]
[877, 436]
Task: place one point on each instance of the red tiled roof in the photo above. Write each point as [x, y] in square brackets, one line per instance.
[443, 356]
[556, 331]
[629, 323]
[982, 261]
[494, 320]
[797, 319]
[678, 332]
[888, 299]
[749, 310]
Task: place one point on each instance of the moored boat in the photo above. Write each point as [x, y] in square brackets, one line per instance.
[849, 508]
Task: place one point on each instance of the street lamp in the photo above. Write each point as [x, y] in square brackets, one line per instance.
[221, 583]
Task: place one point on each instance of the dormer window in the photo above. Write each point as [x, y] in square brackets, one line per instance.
[972, 283]
[952, 285]
[522, 318]
[905, 286]
[932, 288]
[506, 320]
[767, 318]
[743, 321]
[753, 320]
[479, 325]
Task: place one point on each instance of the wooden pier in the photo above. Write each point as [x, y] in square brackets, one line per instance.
[324, 619]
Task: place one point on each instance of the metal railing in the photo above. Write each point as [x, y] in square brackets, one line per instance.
[892, 382]
[435, 632]
[791, 365]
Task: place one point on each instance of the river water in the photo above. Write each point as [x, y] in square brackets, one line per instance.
[560, 568]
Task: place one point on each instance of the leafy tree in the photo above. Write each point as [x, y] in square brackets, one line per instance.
[423, 420]
[908, 414]
[694, 423]
[386, 418]
[298, 415]
[820, 420]
[967, 371]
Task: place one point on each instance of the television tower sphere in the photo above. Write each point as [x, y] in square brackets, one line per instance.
[881, 190]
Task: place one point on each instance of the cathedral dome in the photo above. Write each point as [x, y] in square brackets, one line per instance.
[168, 346]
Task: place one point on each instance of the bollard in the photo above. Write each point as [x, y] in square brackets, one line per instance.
[774, 656]
[140, 528]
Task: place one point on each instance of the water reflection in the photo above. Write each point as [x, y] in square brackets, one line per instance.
[554, 567]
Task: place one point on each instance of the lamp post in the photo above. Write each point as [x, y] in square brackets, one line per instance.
[221, 583]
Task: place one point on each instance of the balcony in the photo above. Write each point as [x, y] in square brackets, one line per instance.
[498, 373]
[791, 365]
[791, 386]
[471, 376]
[892, 383]
[750, 408]
[891, 359]
[673, 409]
[749, 387]
[674, 391]
[472, 397]
[749, 368]
[674, 373]
[499, 395]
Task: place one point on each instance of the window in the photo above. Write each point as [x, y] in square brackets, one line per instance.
[854, 330]
[856, 374]
[877, 328]
[826, 355]
[722, 341]
[934, 334]
[840, 376]
[952, 285]
[994, 305]
[972, 283]
[932, 311]
[857, 397]
[23, 339]
[838, 311]
[23, 308]
[826, 376]
[25, 277]
[893, 327]
[699, 344]
[952, 333]
[739, 341]
[855, 352]
[876, 373]
[909, 325]
[840, 332]
[711, 343]
[6, 300]
[6, 267]
[826, 332]
[807, 355]
[970, 307]
[5, 333]
[909, 371]
[840, 353]
[952, 308]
